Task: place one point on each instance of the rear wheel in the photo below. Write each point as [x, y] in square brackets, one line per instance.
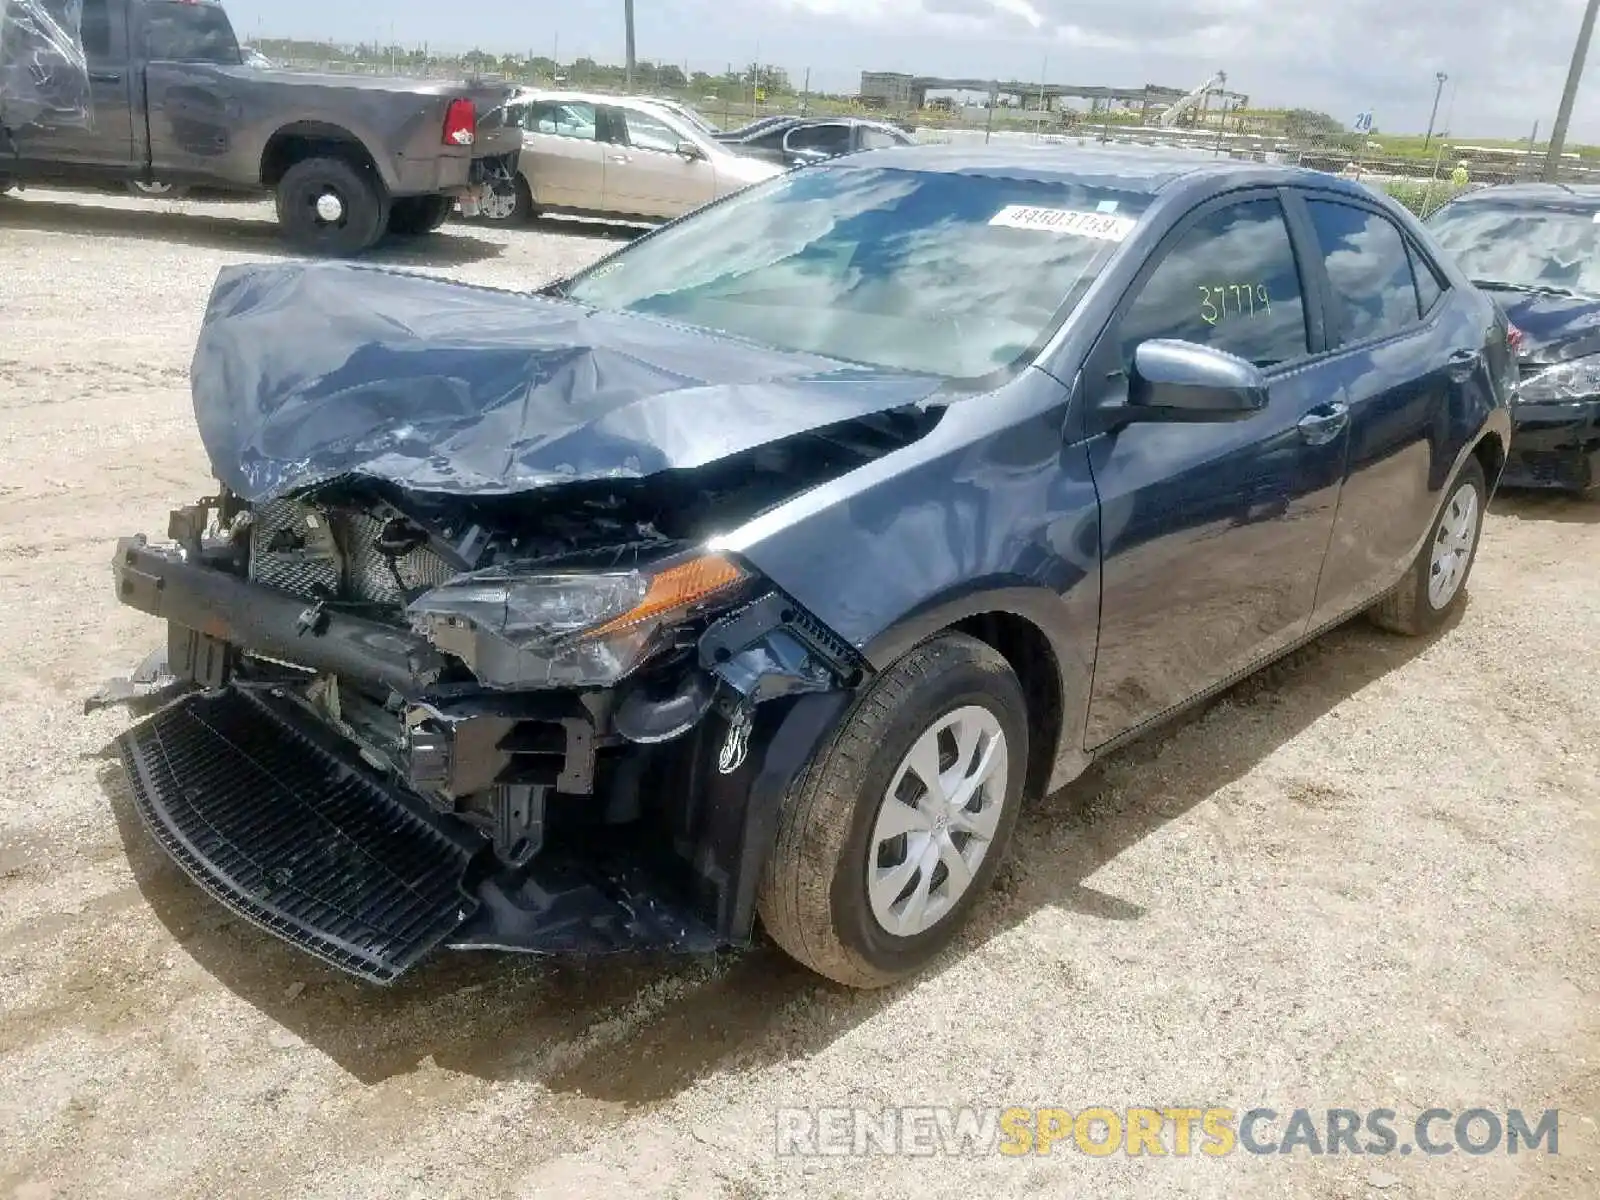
[417, 216]
[1437, 580]
[888, 839]
[330, 206]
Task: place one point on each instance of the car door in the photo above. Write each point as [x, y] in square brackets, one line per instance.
[62, 131]
[193, 107]
[645, 174]
[1213, 535]
[1399, 362]
[563, 156]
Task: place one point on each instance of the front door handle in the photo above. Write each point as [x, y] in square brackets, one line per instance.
[619, 158]
[1324, 423]
[106, 76]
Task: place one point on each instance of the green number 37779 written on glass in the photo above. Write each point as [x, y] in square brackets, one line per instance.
[1234, 300]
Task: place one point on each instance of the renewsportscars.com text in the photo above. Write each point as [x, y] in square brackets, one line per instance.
[1149, 1131]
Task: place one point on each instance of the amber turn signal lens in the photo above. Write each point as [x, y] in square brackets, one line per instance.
[677, 588]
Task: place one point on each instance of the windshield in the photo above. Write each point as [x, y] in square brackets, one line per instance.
[1544, 248]
[956, 275]
[688, 114]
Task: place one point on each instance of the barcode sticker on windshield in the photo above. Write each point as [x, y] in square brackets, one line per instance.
[1065, 220]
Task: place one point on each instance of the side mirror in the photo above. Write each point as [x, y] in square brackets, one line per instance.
[690, 151]
[1183, 381]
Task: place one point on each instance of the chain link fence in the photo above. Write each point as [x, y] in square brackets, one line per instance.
[1421, 172]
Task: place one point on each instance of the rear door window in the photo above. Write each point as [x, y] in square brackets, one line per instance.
[185, 32]
[1369, 269]
[1429, 285]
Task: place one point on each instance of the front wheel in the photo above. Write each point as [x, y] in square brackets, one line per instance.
[332, 207]
[156, 190]
[509, 204]
[1432, 589]
[418, 216]
[892, 833]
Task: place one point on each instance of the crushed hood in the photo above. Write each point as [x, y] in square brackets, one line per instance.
[306, 372]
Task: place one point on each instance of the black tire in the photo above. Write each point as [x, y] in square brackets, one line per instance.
[1412, 608]
[365, 207]
[418, 216]
[814, 899]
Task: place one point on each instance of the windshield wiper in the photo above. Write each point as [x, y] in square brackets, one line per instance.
[1531, 289]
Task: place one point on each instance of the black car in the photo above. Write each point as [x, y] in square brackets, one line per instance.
[798, 141]
[1536, 249]
[771, 565]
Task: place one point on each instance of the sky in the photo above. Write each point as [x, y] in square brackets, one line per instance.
[1506, 67]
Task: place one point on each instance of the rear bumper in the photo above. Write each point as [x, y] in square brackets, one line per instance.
[451, 176]
[1555, 446]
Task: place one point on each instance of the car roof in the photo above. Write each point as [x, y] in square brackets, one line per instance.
[1125, 168]
[1543, 195]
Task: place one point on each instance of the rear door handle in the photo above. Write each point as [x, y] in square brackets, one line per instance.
[1463, 363]
[1324, 423]
[106, 76]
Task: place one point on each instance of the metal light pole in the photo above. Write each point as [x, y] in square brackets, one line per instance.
[627, 16]
[1437, 92]
[1558, 135]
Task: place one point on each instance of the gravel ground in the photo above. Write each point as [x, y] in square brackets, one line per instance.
[1366, 880]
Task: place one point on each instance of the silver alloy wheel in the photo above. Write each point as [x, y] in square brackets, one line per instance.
[152, 189]
[1452, 546]
[937, 821]
[330, 208]
[500, 205]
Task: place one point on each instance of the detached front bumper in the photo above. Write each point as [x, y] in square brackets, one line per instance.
[1555, 445]
[294, 822]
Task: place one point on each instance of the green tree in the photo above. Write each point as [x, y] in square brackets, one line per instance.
[1305, 124]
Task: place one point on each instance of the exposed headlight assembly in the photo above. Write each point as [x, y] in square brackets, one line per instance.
[1575, 380]
[568, 630]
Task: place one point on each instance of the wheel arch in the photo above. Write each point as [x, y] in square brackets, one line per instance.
[1490, 451]
[1022, 625]
[301, 140]
[1032, 659]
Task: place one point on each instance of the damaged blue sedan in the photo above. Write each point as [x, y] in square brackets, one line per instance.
[764, 570]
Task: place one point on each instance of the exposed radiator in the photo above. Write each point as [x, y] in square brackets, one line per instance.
[309, 552]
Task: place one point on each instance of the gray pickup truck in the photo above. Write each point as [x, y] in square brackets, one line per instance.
[96, 92]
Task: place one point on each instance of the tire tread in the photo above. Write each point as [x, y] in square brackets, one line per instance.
[795, 896]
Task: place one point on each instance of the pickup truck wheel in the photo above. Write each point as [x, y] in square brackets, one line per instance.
[329, 206]
[892, 833]
[1437, 580]
[417, 216]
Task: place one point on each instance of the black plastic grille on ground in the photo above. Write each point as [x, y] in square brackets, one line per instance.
[278, 829]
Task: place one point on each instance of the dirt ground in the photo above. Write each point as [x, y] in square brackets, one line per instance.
[1367, 880]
